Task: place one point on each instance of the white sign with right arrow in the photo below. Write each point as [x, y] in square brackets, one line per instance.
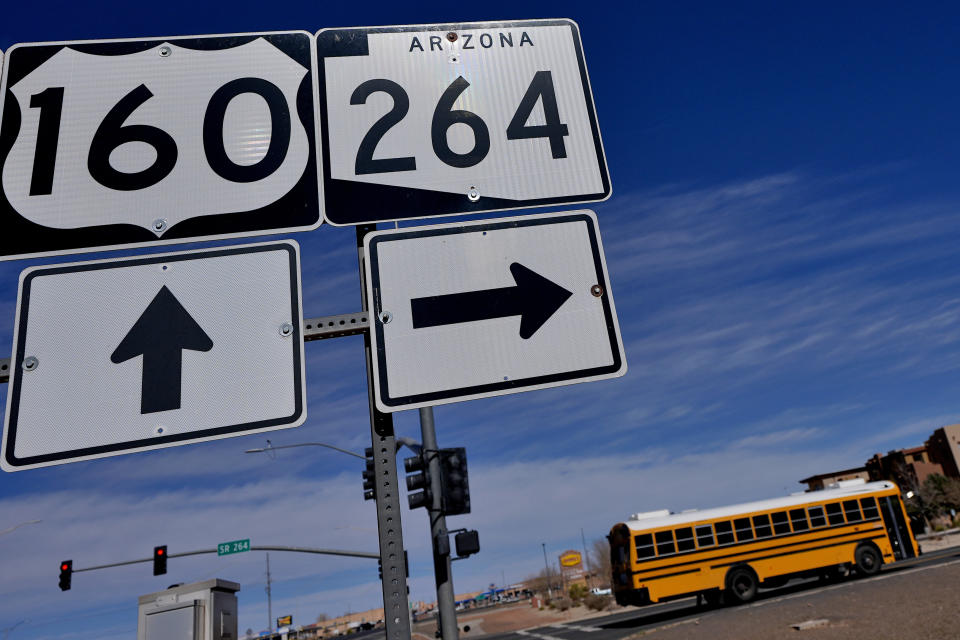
[486, 308]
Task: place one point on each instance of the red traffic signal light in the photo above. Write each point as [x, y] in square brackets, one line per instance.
[66, 573]
[160, 560]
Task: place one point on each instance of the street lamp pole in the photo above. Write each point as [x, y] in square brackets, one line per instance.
[9, 630]
[546, 568]
[270, 447]
[17, 526]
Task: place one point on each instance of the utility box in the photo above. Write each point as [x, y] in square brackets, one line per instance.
[200, 611]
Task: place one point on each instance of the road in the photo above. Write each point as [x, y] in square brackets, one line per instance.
[684, 613]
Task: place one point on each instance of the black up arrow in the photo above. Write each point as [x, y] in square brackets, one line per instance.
[161, 334]
[534, 299]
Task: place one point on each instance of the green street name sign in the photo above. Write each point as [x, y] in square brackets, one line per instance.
[226, 548]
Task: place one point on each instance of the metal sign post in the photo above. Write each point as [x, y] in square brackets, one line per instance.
[438, 530]
[396, 607]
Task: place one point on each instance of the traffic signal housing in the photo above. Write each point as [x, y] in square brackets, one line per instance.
[468, 543]
[456, 489]
[369, 476]
[66, 573]
[419, 482]
[160, 560]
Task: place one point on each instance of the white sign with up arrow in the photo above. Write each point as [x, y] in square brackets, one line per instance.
[486, 308]
[132, 354]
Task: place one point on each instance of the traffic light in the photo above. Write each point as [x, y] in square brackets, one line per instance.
[159, 560]
[369, 476]
[456, 490]
[420, 479]
[468, 543]
[66, 573]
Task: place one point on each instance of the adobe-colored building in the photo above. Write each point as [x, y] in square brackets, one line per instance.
[944, 449]
[908, 468]
[823, 480]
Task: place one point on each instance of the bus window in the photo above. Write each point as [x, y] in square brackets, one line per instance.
[816, 517]
[665, 543]
[761, 524]
[743, 529]
[852, 509]
[780, 523]
[724, 532]
[834, 514]
[869, 508]
[685, 539]
[644, 546]
[705, 536]
[799, 519]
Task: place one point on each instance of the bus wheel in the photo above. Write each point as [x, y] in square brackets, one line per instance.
[867, 559]
[741, 585]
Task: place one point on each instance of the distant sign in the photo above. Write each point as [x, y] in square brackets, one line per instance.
[120, 143]
[440, 119]
[485, 308]
[235, 546]
[571, 566]
[570, 559]
[284, 621]
[133, 354]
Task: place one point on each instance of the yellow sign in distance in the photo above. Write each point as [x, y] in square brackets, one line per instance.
[570, 559]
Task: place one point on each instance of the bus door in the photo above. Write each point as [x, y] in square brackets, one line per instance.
[898, 530]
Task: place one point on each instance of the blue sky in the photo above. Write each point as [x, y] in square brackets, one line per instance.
[781, 243]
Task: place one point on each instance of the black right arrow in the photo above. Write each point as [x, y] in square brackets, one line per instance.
[534, 299]
[161, 334]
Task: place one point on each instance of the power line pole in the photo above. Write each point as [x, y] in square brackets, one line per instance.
[546, 568]
[586, 556]
[269, 598]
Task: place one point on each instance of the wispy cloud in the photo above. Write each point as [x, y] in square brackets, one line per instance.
[795, 322]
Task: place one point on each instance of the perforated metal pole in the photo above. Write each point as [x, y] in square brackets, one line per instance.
[269, 591]
[438, 530]
[396, 607]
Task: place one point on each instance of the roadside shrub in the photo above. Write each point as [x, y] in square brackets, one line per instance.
[561, 603]
[597, 603]
[578, 592]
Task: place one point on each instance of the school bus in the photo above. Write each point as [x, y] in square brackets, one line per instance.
[726, 554]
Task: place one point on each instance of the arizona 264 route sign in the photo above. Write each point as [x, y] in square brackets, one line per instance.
[119, 143]
[431, 120]
[479, 309]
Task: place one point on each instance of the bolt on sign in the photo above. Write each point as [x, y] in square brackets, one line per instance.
[441, 119]
[132, 354]
[126, 143]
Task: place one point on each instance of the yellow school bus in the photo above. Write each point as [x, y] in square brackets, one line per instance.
[728, 553]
